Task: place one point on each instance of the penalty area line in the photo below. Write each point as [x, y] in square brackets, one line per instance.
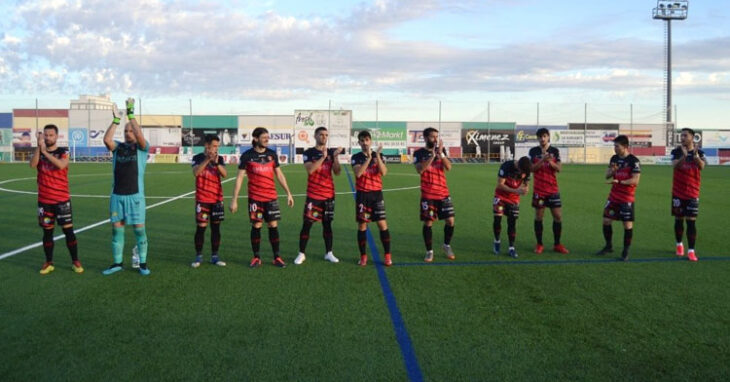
[91, 226]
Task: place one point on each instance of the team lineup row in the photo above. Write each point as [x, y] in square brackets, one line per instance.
[261, 165]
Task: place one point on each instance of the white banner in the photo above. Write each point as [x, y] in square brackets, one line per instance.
[449, 133]
[567, 137]
[163, 136]
[337, 122]
[718, 139]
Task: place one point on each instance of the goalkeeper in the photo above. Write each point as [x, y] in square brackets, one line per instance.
[127, 203]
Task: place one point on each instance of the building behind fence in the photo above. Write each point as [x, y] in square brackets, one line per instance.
[176, 138]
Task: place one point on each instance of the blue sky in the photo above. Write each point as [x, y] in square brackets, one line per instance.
[260, 57]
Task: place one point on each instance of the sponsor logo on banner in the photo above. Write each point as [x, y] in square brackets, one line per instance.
[78, 137]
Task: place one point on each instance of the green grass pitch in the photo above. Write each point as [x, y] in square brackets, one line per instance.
[536, 317]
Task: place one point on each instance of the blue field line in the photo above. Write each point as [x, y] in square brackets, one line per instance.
[401, 333]
[557, 262]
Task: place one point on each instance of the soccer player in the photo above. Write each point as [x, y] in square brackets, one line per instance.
[688, 161]
[512, 181]
[432, 163]
[127, 203]
[54, 199]
[369, 168]
[545, 164]
[320, 162]
[261, 164]
[208, 169]
[624, 172]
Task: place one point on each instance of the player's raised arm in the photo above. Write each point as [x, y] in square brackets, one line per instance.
[38, 150]
[336, 167]
[282, 181]
[422, 166]
[236, 189]
[200, 167]
[316, 165]
[611, 170]
[359, 169]
[444, 157]
[109, 134]
[136, 129]
[221, 165]
[379, 160]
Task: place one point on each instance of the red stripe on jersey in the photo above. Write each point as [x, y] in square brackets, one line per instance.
[52, 181]
[433, 179]
[546, 183]
[320, 185]
[371, 179]
[686, 179]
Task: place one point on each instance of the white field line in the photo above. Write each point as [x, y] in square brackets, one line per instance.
[88, 227]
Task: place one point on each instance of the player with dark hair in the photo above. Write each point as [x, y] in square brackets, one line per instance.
[688, 162]
[127, 202]
[431, 163]
[208, 169]
[261, 164]
[54, 199]
[545, 164]
[320, 162]
[513, 180]
[624, 172]
[369, 168]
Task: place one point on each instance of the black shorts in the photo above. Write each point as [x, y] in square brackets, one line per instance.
[433, 209]
[264, 211]
[319, 210]
[549, 201]
[213, 212]
[369, 206]
[500, 208]
[50, 213]
[689, 208]
[619, 211]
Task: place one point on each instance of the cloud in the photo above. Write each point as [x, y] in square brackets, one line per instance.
[169, 48]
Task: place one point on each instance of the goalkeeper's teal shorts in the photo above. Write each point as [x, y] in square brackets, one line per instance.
[127, 208]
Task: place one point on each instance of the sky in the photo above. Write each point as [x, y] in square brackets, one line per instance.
[520, 60]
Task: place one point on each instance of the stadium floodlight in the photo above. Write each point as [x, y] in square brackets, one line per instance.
[668, 11]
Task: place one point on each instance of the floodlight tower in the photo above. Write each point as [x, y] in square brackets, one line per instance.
[668, 11]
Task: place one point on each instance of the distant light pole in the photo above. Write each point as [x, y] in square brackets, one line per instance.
[668, 11]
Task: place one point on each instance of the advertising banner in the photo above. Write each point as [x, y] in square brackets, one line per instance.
[392, 135]
[160, 136]
[96, 136]
[337, 122]
[527, 134]
[196, 137]
[604, 138]
[79, 137]
[497, 142]
[277, 136]
[6, 138]
[719, 139]
[567, 138]
[449, 133]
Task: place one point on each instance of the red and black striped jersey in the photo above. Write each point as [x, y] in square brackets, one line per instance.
[371, 179]
[52, 181]
[513, 178]
[686, 179]
[320, 185]
[208, 187]
[627, 167]
[433, 178]
[546, 183]
[260, 170]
